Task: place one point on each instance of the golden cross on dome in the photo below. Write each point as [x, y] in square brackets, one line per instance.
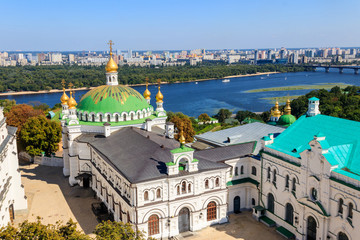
[70, 86]
[159, 81]
[63, 83]
[111, 43]
[147, 81]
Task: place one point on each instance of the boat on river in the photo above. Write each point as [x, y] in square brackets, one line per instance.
[226, 80]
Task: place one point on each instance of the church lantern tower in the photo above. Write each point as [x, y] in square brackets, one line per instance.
[159, 102]
[111, 69]
[313, 108]
[147, 93]
[72, 107]
[275, 114]
[64, 100]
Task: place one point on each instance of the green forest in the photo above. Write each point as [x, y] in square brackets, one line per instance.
[35, 78]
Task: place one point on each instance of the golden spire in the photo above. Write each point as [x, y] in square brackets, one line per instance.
[147, 92]
[71, 102]
[287, 109]
[276, 112]
[182, 138]
[111, 66]
[64, 98]
[159, 96]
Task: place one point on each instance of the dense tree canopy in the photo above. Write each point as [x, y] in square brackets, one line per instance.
[117, 231]
[204, 118]
[35, 78]
[182, 122]
[223, 114]
[20, 113]
[40, 134]
[7, 104]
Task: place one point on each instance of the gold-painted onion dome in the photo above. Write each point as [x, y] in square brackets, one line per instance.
[159, 96]
[287, 109]
[276, 112]
[64, 98]
[71, 102]
[147, 93]
[111, 66]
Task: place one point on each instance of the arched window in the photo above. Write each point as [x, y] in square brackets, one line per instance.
[108, 117]
[132, 116]
[206, 184]
[268, 173]
[242, 170]
[274, 177]
[287, 182]
[289, 213]
[138, 115]
[86, 117]
[341, 203]
[189, 188]
[253, 201]
[153, 225]
[217, 182]
[253, 170]
[146, 195]
[270, 203]
[124, 117]
[182, 164]
[158, 193]
[128, 217]
[183, 187]
[311, 228]
[93, 118]
[236, 171]
[294, 184]
[100, 118]
[350, 211]
[116, 118]
[211, 211]
[178, 190]
[342, 236]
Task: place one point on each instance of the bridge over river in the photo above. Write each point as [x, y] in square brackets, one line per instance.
[340, 67]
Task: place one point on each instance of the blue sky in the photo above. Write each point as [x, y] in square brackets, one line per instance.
[68, 25]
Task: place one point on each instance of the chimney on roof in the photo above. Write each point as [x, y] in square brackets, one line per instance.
[107, 131]
[169, 130]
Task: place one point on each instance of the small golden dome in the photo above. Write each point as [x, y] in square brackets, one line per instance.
[159, 96]
[71, 102]
[111, 66]
[276, 112]
[147, 93]
[287, 109]
[64, 98]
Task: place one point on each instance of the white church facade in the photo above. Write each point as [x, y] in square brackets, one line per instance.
[305, 181]
[12, 193]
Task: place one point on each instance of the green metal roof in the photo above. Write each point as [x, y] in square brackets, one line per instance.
[314, 99]
[341, 140]
[286, 120]
[112, 99]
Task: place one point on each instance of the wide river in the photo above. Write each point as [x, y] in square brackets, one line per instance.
[209, 96]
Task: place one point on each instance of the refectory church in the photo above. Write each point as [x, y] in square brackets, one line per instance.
[305, 181]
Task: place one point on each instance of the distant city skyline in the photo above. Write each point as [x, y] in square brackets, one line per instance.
[169, 25]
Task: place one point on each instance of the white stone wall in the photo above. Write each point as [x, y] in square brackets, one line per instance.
[11, 190]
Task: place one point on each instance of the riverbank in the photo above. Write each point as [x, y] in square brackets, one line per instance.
[131, 85]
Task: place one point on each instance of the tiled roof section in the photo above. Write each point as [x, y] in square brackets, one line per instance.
[241, 134]
[225, 153]
[341, 135]
[137, 154]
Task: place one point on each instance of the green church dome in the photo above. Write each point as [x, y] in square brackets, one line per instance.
[286, 120]
[112, 99]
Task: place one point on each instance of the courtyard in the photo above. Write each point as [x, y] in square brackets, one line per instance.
[52, 198]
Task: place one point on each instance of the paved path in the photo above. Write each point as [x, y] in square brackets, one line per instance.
[242, 226]
[52, 198]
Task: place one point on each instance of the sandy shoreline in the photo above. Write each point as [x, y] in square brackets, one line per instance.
[131, 85]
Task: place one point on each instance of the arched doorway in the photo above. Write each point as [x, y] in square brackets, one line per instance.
[184, 220]
[236, 204]
[311, 229]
